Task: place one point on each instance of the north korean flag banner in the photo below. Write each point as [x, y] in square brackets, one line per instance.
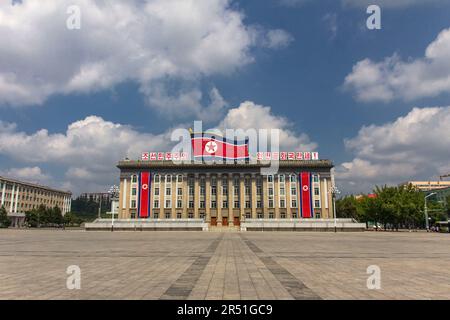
[305, 195]
[211, 146]
[145, 181]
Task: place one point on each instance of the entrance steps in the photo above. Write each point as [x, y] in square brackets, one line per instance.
[224, 229]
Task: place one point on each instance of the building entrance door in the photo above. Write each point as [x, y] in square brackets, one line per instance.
[213, 221]
[224, 222]
[237, 221]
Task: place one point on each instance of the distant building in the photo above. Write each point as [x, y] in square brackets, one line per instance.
[105, 197]
[427, 185]
[18, 197]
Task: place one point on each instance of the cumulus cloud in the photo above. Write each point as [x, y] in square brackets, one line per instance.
[394, 78]
[251, 115]
[276, 39]
[29, 174]
[146, 41]
[412, 147]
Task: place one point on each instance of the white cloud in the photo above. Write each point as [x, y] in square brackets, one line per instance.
[412, 147]
[146, 41]
[278, 38]
[28, 174]
[393, 78]
[250, 115]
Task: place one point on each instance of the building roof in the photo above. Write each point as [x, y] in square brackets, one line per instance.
[141, 164]
[34, 185]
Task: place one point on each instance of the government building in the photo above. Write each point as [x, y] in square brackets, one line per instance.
[225, 194]
[17, 197]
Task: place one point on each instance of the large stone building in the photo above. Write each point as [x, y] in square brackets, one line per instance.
[428, 185]
[225, 194]
[18, 197]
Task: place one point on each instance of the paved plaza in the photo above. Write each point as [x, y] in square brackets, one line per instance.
[216, 265]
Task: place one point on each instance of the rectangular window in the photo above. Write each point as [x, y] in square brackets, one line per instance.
[156, 178]
[247, 204]
[270, 191]
[282, 204]
[178, 215]
[202, 190]
[317, 204]
[191, 204]
[225, 204]
[156, 215]
[316, 191]
[236, 190]
[168, 204]
[168, 179]
[156, 191]
[282, 191]
[179, 203]
[317, 215]
[315, 178]
[191, 191]
[168, 215]
[294, 203]
[269, 178]
[271, 215]
[180, 191]
[202, 204]
[258, 190]
[247, 190]
[168, 191]
[134, 178]
[260, 215]
[213, 204]
[236, 204]
[293, 191]
[191, 215]
[294, 215]
[270, 203]
[248, 215]
[281, 178]
[133, 203]
[156, 204]
[213, 190]
[133, 191]
[180, 178]
[283, 215]
[259, 204]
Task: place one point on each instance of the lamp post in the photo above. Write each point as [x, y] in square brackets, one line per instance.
[426, 211]
[113, 191]
[334, 192]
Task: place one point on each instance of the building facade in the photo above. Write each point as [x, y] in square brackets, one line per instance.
[105, 197]
[428, 185]
[18, 197]
[224, 194]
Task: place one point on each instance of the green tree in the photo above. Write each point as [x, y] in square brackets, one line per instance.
[5, 221]
[347, 208]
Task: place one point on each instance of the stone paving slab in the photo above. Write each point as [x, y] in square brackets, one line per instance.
[214, 265]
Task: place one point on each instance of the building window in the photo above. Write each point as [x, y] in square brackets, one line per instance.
[191, 204]
[213, 190]
[133, 191]
[317, 215]
[259, 204]
[294, 203]
[168, 204]
[168, 191]
[225, 204]
[317, 204]
[178, 215]
[202, 204]
[270, 192]
[202, 190]
[258, 190]
[236, 190]
[294, 215]
[191, 215]
[168, 179]
[156, 215]
[134, 178]
[202, 216]
[282, 191]
[156, 178]
[180, 191]
[133, 203]
[191, 190]
[236, 204]
[260, 215]
[247, 204]
[293, 178]
[293, 191]
[271, 215]
[316, 191]
[282, 203]
[281, 178]
[156, 204]
[179, 203]
[213, 204]
[270, 203]
[269, 178]
[168, 215]
[248, 215]
[179, 178]
[156, 191]
[315, 178]
[283, 215]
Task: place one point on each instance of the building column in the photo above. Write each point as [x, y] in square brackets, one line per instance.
[17, 198]
[3, 193]
[276, 195]
[265, 197]
[241, 196]
[196, 195]
[219, 198]
[122, 198]
[230, 199]
[12, 198]
[253, 195]
[208, 198]
[185, 201]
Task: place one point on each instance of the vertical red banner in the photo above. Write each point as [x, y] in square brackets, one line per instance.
[306, 195]
[144, 194]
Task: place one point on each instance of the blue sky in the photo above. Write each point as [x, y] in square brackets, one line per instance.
[291, 56]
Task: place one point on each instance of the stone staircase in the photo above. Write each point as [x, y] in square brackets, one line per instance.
[225, 229]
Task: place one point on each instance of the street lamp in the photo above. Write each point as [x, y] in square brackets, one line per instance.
[426, 210]
[114, 192]
[334, 192]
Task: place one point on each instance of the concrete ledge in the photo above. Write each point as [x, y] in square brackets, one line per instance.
[148, 225]
[301, 225]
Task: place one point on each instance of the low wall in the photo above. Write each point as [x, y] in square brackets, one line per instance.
[148, 225]
[301, 225]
